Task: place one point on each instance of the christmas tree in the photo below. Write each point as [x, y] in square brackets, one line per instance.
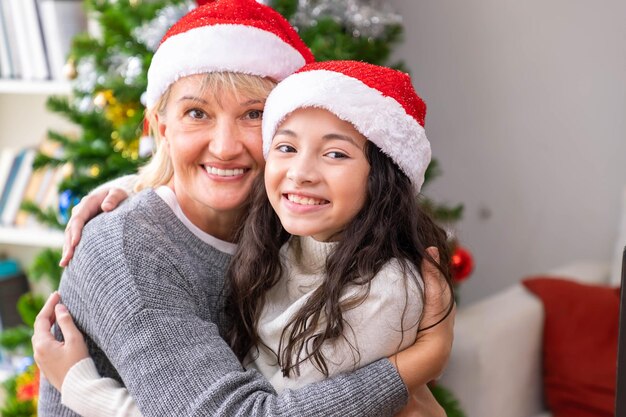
[107, 69]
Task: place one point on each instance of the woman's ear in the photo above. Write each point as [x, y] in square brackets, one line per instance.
[162, 128]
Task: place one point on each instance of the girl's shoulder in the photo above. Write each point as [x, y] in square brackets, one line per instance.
[395, 280]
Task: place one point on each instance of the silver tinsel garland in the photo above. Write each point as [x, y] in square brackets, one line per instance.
[364, 18]
[151, 33]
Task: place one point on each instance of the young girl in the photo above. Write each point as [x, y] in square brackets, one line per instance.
[326, 275]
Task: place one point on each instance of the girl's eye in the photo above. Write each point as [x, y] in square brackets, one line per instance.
[336, 155]
[285, 148]
[254, 114]
[196, 114]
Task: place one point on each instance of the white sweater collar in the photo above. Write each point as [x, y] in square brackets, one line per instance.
[168, 195]
[309, 253]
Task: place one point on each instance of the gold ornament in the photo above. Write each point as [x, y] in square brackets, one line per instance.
[67, 170]
[94, 171]
[69, 69]
[103, 98]
[119, 113]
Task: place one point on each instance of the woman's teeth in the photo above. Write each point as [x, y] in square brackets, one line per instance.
[305, 200]
[224, 172]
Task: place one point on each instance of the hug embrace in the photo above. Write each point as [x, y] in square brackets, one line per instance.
[272, 259]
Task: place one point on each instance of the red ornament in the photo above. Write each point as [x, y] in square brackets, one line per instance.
[462, 264]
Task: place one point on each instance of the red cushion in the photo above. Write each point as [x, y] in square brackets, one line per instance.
[579, 346]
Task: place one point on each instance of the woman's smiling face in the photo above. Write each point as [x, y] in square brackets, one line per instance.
[214, 142]
[316, 173]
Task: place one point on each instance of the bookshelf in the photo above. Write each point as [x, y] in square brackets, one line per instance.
[24, 121]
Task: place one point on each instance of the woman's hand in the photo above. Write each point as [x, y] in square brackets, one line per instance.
[55, 358]
[426, 359]
[89, 207]
[422, 403]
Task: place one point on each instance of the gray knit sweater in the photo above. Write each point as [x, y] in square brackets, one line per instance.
[148, 294]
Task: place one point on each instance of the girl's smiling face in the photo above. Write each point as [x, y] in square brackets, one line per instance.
[316, 173]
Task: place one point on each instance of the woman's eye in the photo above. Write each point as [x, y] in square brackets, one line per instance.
[255, 114]
[196, 114]
[336, 155]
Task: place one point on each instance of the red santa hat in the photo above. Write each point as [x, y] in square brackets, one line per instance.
[226, 35]
[380, 102]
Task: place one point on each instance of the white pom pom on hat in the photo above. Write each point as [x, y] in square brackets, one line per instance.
[226, 35]
[380, 102]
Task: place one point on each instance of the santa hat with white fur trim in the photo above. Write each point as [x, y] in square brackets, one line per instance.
[380, 102]
[226, 35]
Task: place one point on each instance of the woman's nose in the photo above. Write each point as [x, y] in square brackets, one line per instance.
[225, 143]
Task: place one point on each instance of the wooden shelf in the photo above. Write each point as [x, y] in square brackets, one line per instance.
[34, 87]
[33, 237]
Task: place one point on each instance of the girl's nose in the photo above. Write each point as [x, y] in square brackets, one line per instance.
[302, 170]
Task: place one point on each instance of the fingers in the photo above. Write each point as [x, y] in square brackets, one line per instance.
[113, 199]
[73, 232]
[42, 337]
[46, 316]
[70, 332]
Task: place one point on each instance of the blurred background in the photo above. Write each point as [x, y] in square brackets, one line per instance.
[526, 114]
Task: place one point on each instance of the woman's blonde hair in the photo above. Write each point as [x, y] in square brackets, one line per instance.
[159, 170]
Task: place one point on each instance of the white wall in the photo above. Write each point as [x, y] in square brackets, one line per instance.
[527, 115]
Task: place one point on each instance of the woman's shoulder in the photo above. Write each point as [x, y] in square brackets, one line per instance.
[140, 218]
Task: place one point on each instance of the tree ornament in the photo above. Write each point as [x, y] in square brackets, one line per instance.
[462, 264]
[87, 76]
[69, 69]
[67, 201]
[119, 113]
[102, 99]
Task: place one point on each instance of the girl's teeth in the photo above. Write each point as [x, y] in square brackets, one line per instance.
[224, 172]
[304, 200]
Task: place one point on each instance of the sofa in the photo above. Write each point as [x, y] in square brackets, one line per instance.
[495, 368]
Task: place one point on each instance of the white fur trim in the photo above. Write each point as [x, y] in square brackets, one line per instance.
[380, 119]
[225, 47]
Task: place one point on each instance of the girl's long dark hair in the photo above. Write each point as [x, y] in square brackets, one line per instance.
[390, 225]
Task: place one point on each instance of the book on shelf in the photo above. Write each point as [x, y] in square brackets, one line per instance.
[6, 67]
[61, 20]
[10, 179]
[22, 44]
[42, 189]
[17, 187]
[36, 45]
[36, 35]
[22, 183]
[7, 155]
[11, 37]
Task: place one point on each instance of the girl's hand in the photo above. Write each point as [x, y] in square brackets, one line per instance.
[89, 207]
[55, 358]
[422, 403]
[427, 358]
